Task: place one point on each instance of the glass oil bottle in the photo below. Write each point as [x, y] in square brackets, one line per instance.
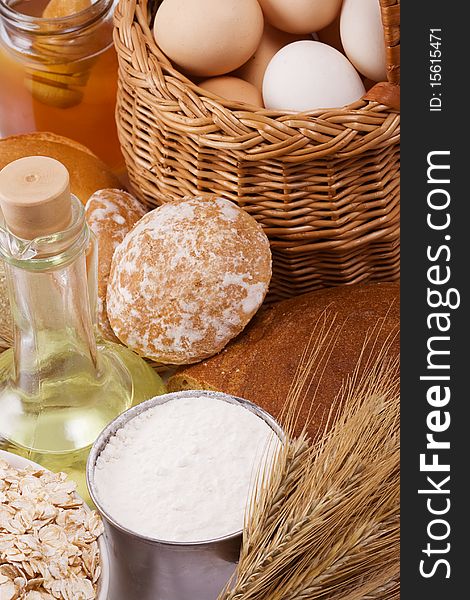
[59, 387]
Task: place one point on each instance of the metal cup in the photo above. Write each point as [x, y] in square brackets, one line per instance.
[143, 568]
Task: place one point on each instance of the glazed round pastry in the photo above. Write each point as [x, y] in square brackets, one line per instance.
[187, 279]
[111, 214]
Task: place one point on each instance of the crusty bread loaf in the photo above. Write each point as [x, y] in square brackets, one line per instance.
[111, 214]
[260, 365]
[87, 172]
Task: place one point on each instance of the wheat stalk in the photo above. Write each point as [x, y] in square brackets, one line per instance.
[324, 524]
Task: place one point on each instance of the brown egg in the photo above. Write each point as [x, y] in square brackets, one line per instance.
[208, 37]
[300, 16]
[272, 40]
[233, 88]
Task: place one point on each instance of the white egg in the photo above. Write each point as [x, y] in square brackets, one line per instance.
[362, 35]
[309, 75]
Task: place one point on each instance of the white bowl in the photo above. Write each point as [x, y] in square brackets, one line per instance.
[18, 462]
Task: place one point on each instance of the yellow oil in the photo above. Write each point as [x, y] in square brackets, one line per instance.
[57, 426]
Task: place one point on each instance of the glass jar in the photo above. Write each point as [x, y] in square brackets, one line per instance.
[60, 75]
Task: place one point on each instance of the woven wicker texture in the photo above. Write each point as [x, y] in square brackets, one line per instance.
[324, 184]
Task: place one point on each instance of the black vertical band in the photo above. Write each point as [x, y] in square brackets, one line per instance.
[435, 323]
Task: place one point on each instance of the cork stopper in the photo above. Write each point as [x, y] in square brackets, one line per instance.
[35, 196]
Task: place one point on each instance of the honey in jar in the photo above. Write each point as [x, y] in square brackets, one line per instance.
[58, 72]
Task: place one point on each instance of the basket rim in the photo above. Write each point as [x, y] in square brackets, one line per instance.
[172, 76]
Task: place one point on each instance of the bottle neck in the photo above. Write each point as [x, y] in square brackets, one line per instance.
[53, 303]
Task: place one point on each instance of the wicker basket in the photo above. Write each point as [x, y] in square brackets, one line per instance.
[324, 185]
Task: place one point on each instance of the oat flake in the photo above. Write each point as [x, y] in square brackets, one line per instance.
[48, 539]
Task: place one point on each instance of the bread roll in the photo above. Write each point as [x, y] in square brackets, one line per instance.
[187, 279]
[87, 172]
[111, 214]
[261, 364]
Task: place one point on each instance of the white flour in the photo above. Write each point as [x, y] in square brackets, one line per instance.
[182, 471]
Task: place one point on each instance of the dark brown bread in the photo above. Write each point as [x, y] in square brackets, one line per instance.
[260, 365]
